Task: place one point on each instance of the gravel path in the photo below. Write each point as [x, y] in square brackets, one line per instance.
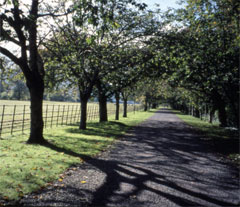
[162, 162]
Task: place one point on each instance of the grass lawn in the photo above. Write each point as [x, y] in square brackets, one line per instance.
[25, 168]
[225, 141]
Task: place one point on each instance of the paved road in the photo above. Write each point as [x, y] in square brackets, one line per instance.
[162, 162]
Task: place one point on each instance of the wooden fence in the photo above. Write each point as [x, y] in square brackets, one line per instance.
[16, 118]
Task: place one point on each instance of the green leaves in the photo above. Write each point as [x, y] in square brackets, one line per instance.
[116, 25]
[90, 40]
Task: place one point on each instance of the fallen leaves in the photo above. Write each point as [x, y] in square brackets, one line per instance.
[81, 160]
[48, 184]
[20, 192]
[133, 197]
[20, 186]
[5, 197]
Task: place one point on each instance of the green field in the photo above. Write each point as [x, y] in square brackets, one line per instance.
[16, 102]
[25, 168]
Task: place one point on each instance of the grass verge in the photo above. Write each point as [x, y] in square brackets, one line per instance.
[25, 168]
[225, 141]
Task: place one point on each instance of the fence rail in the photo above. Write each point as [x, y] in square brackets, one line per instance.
[16, 118]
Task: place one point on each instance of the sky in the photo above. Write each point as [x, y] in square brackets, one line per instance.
[164, 4]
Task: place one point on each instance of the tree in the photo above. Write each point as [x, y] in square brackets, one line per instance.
[75, 63]
[20, 28]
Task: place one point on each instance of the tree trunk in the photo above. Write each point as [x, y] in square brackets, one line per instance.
[220, 105]
[222, 115]
[83, 121]
[102, 98]
[36, 98]
[211, 115]
[85, 94]
[154, 106]
[117, 97]
[201, 114]
[146, 101]
[145, 104]
[103, 116]
[145, 107]
[197, 113]
[124, 107]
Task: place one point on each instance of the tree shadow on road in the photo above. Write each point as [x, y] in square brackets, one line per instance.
[152, 159]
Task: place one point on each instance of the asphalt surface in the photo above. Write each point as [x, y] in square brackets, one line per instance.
[161, 162]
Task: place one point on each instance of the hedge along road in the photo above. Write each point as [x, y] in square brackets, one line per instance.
[161, 162]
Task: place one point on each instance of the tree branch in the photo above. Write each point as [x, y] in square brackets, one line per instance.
[11, 56]
[7, 37]
[52, 14]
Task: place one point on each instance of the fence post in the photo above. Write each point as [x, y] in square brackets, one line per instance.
[71, 122]
[75, 114]
[46, 116]
[95, 112]
[52, 115]
[1, 128]
[23, 121]
[80, 114]
[14, 111]
[58, 114]
[88, 114]
[67, 115]
[91, 113]
[63, 114]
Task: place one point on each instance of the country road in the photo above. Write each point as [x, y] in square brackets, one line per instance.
[161, 162]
